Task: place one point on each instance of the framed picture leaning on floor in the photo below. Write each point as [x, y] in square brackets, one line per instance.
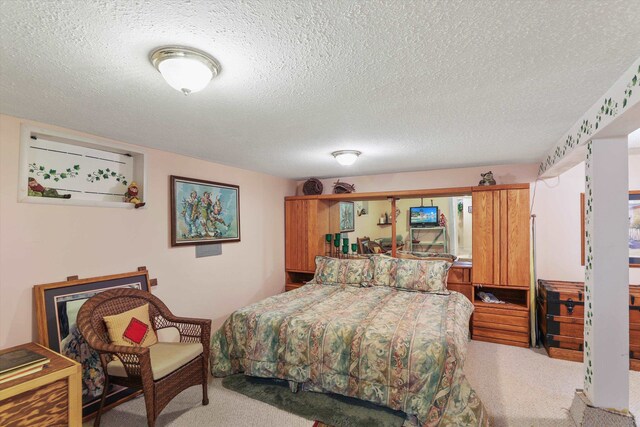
[57, 306]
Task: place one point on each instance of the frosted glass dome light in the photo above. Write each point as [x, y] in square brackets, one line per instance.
[346, 157]
[185, 69]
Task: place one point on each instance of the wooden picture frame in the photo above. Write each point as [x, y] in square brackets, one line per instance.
[347, 217]
[57, 305]
[634, 261]
[203, 212]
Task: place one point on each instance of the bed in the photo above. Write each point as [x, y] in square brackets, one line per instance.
[397, 348]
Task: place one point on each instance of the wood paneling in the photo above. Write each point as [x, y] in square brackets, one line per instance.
[306, 223]
[517, 238]
[52, 396]
[43, 406]
[501, 252]
[295, 235]
[483, 237]
[459, 279]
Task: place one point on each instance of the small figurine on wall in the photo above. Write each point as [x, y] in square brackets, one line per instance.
[37, 190]
[442, 221]
[487, 179]
[131, 196]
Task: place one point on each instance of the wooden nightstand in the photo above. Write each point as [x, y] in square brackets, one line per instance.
[292, 286]
[52, 396]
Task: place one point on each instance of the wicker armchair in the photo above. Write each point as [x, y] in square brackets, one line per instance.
[137, 360]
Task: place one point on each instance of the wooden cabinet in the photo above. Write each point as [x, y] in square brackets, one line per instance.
[459, 279]
[501, 247]
[501, 263]
[50, 397]
[507, 323]
[306, 224]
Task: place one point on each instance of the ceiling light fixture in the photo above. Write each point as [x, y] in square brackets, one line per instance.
[186, 69]
[346, 157]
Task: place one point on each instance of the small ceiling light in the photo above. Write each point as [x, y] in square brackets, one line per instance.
[346, 157]
[186, 69]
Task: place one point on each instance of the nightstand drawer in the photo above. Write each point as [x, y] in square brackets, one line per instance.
[500, 319]
[500, 335]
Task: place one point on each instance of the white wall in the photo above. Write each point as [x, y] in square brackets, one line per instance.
[557, 209]
[46, 243]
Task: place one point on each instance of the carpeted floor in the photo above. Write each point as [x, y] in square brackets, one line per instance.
[524, 387]
[519, 387]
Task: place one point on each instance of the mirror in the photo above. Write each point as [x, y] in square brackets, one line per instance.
[368, 225]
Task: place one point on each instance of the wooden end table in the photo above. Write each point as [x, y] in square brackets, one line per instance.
[50, 397]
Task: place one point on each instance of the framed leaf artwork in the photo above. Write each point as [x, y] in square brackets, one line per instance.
[347, 217]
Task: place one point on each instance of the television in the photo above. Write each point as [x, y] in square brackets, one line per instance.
[424, 216]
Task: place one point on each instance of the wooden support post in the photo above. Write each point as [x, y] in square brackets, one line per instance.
[393, 227]
[606, 329]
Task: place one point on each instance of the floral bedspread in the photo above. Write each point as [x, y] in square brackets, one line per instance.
[400, 349]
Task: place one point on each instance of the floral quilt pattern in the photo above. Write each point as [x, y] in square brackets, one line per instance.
[404, 350]
[355, 272]
[420, 275]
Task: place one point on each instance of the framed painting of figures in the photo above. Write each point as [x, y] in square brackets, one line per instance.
[203, 212]
[57, 306]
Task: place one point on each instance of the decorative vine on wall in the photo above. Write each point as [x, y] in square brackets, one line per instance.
[46, 173]
[607, 111]
[104, 174]
[588, 271]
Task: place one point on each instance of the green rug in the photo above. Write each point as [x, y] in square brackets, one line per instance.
[331, 409]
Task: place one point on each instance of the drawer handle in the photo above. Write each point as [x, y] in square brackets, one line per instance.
[570, 305]
[633, 299]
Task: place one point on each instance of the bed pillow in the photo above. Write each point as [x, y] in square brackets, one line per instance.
[426, 255]
[131, 328]
[425, 275]
[353, 272]
[384, 270]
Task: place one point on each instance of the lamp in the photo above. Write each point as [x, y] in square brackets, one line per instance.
[186, 69]
[346, 157]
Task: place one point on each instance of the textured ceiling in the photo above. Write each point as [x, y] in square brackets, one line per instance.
[414, 84]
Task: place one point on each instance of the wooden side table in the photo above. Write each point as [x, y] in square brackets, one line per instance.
[51, 397]
[292, 286]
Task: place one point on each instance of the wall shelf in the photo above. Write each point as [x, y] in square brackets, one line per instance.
[92, 172]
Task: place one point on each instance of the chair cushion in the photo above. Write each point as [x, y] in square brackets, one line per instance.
[166, 357]
[131, 328]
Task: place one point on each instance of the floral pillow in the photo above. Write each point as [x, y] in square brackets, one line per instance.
[422, 275]
[354, 272]
[384, 270]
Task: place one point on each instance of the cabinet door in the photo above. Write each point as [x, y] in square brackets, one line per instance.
[296, 231]
[501, 237]
[516, 238]
[484, 238]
